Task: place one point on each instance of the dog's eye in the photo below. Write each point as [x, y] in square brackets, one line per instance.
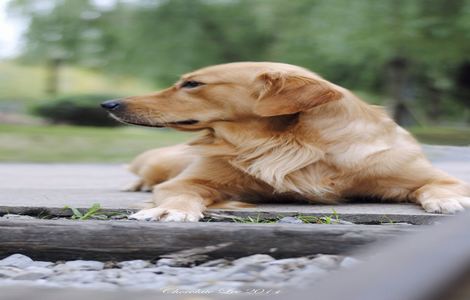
[191, 84]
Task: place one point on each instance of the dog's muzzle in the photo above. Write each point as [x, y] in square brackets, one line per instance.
[116, 109]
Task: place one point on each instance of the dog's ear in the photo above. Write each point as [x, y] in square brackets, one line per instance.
[284, 94]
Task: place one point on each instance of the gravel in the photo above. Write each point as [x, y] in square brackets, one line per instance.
[290, 220]
[259, 271]
[189, 270]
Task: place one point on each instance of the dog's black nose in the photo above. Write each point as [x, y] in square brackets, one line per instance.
[111, 104]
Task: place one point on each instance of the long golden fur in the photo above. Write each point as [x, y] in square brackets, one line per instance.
[276, 130]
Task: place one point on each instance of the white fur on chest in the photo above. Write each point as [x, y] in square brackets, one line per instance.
[275, 161]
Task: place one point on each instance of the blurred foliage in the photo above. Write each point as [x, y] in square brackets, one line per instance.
[442, 135]
[77, 109]
[413, 52]
[25, 84]
[81, 144]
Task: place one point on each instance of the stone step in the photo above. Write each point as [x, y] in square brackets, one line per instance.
[48, 188]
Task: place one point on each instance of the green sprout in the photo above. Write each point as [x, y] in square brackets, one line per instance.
[77, 215]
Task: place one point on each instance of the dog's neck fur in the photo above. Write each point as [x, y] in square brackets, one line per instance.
[273, 149]
[266, 148]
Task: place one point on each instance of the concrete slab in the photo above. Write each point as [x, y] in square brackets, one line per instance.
[81, 185]
[58, 185]
[78, 185]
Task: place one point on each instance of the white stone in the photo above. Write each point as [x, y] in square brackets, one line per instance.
[348, 262]
[8, 272]
[215, 263]
[17, 217]
[84, 265]
[290, 220]
[290, 263]
[30, 276]
[253, 259]
[79, 277]
[327, 262]
[16, 260]
[43, 264]
[134, 264]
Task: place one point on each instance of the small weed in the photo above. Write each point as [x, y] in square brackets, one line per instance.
[389, 220]
[77, 215]
[254, 220]
[244, 220]
[44, 215]
[259, 219]
[311, 219]
[331, 219]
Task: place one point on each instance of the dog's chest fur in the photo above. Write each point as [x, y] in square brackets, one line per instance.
[289, 164]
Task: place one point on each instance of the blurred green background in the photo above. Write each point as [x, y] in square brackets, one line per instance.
[410, 56]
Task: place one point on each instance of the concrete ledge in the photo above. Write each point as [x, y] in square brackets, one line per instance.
[32, 188]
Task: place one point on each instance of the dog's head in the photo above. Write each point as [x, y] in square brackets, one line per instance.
[235, 92]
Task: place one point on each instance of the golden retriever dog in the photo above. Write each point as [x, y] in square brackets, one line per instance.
[273, 130]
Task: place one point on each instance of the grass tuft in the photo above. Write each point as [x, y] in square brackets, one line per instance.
[92, 211]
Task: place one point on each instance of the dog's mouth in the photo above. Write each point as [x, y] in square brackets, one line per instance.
[184, 122]
[158, 125]
[161, 125]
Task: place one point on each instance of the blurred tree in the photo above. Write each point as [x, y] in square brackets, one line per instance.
[154, 39]
[59, 29]
[411, 51]
[173, 37]
[407, 48]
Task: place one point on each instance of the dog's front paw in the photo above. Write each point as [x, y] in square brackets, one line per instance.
[446, 205]
[166, 215]
[174, 215]
[151, 214]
